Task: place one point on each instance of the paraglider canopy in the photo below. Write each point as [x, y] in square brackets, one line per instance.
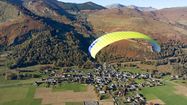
[110, 38]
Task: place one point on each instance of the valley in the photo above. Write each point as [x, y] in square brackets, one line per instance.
[44, 57]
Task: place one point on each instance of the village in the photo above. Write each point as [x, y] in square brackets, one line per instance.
[122, 86]
[121, 83]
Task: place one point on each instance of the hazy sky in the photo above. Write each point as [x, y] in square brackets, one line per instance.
[144, 3]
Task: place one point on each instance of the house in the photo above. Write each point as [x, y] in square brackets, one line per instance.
[102, 92]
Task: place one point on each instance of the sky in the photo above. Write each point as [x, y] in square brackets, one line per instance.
[159, 4]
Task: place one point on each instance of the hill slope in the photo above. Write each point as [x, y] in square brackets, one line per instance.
[53, 32]
[45, 37]
[125, 19]
[111, 20]
[176, 17]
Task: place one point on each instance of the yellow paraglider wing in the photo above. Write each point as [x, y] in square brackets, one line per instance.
[110, 38]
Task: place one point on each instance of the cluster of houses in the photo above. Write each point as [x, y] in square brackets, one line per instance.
[137, 99]
[120, 84]
[106, 80]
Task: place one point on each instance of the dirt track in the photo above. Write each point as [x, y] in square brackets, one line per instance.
[155, 101]
[182, 90]
[106, 102]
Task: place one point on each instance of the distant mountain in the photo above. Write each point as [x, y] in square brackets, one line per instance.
[79, 7]
[176, 17]
[115, 6]
[142, 8]
[134, 20]
[120, 6]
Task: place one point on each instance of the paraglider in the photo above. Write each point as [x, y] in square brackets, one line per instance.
[110, 38]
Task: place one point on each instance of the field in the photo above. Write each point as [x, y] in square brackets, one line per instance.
[165, 93]
[74, 103]
[71, 86]
[26, 94]
[65, 97]
[133, 70]
[22, 95]
[17, 92]
[181, 82]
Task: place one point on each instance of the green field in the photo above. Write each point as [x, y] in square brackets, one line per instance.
[16, 92]
[133, 70]
[74, 103]
[22, 95]
[181, 82]
[166, 94]
[71, 86]
[12, 93]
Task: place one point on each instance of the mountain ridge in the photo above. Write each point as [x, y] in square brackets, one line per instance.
[121, 6]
